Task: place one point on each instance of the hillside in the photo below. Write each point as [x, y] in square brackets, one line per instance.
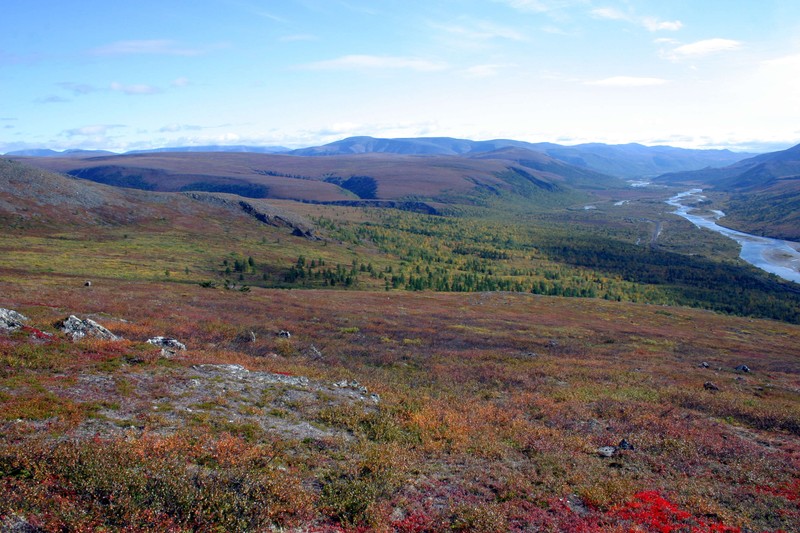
[429, 375]
[374, 176]
[625, 160]
[764, 192]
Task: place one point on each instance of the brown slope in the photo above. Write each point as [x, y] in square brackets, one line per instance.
[311, 178]
[30, 195]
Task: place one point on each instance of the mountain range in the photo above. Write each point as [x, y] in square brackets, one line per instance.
[762, 192]
[622, 160]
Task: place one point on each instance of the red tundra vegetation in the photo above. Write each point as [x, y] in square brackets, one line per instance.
[418, 412]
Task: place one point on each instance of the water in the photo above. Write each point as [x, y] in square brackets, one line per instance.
[779, 257]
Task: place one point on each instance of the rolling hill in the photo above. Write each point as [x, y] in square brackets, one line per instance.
[623, 160]
[369, 177]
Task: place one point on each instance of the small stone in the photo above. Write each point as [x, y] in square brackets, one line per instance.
[606, 451]
[625, 445]
[87, 283]
[169, 347]
[708, 385]
[743, 368]
[314, 353]
[284, 334]
[704, 365]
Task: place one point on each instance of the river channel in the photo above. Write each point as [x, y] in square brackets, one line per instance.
[781, 258]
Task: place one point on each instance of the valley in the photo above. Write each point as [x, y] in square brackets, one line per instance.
[494, 341]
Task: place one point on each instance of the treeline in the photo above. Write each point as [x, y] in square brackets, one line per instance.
[563, 258]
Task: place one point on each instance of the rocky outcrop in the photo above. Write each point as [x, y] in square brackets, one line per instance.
[78, 329]
[10, 320]
[260, 210]
[169, 347]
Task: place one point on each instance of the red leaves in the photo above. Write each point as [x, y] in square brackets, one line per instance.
[652, 511]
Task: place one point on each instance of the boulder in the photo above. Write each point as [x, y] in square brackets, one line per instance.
[704, 365]
[708, 385]
[606, 451]
[11, 320]
[14, 523]
[284, 334]
[78, 329]
[169, 347]
[743, 368]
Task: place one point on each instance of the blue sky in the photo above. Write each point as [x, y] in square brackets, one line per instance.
[122, 75]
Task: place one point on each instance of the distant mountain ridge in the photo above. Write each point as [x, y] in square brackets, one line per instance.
[45, 152]
[216, 148]
[622, 160]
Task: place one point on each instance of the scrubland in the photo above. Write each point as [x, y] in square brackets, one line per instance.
[491, 410]
[390, 405]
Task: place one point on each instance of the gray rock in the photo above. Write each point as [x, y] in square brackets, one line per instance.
[625, 445]
[11, 320]
[708, 385]
[743, 368]
[87, 283]
[16, 524]
[169, 347]
[576, 505]
[704, 365]
[78, 329]
[284, 334]
[606, 451]
[314, 353]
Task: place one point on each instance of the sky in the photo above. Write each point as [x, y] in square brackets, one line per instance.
[120, 75]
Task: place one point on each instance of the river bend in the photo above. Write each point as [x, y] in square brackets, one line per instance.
[779, 257]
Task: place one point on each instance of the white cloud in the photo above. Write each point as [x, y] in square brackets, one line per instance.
[483, 71]
[539, 6]
[139, 88]
[705, 47]
[609, 13]
[480, 31]
[627, 81]
[369, 62]
[649, 23]
[653, 24]
[172, 128]
[180, 82]
[91, 131]
[152, 46]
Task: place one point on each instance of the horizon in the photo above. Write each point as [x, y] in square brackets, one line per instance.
[309, 72]
[285, 149]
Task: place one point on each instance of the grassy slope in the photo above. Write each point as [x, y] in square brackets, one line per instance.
[492, 405]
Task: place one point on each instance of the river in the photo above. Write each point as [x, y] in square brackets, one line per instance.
[781, 258]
